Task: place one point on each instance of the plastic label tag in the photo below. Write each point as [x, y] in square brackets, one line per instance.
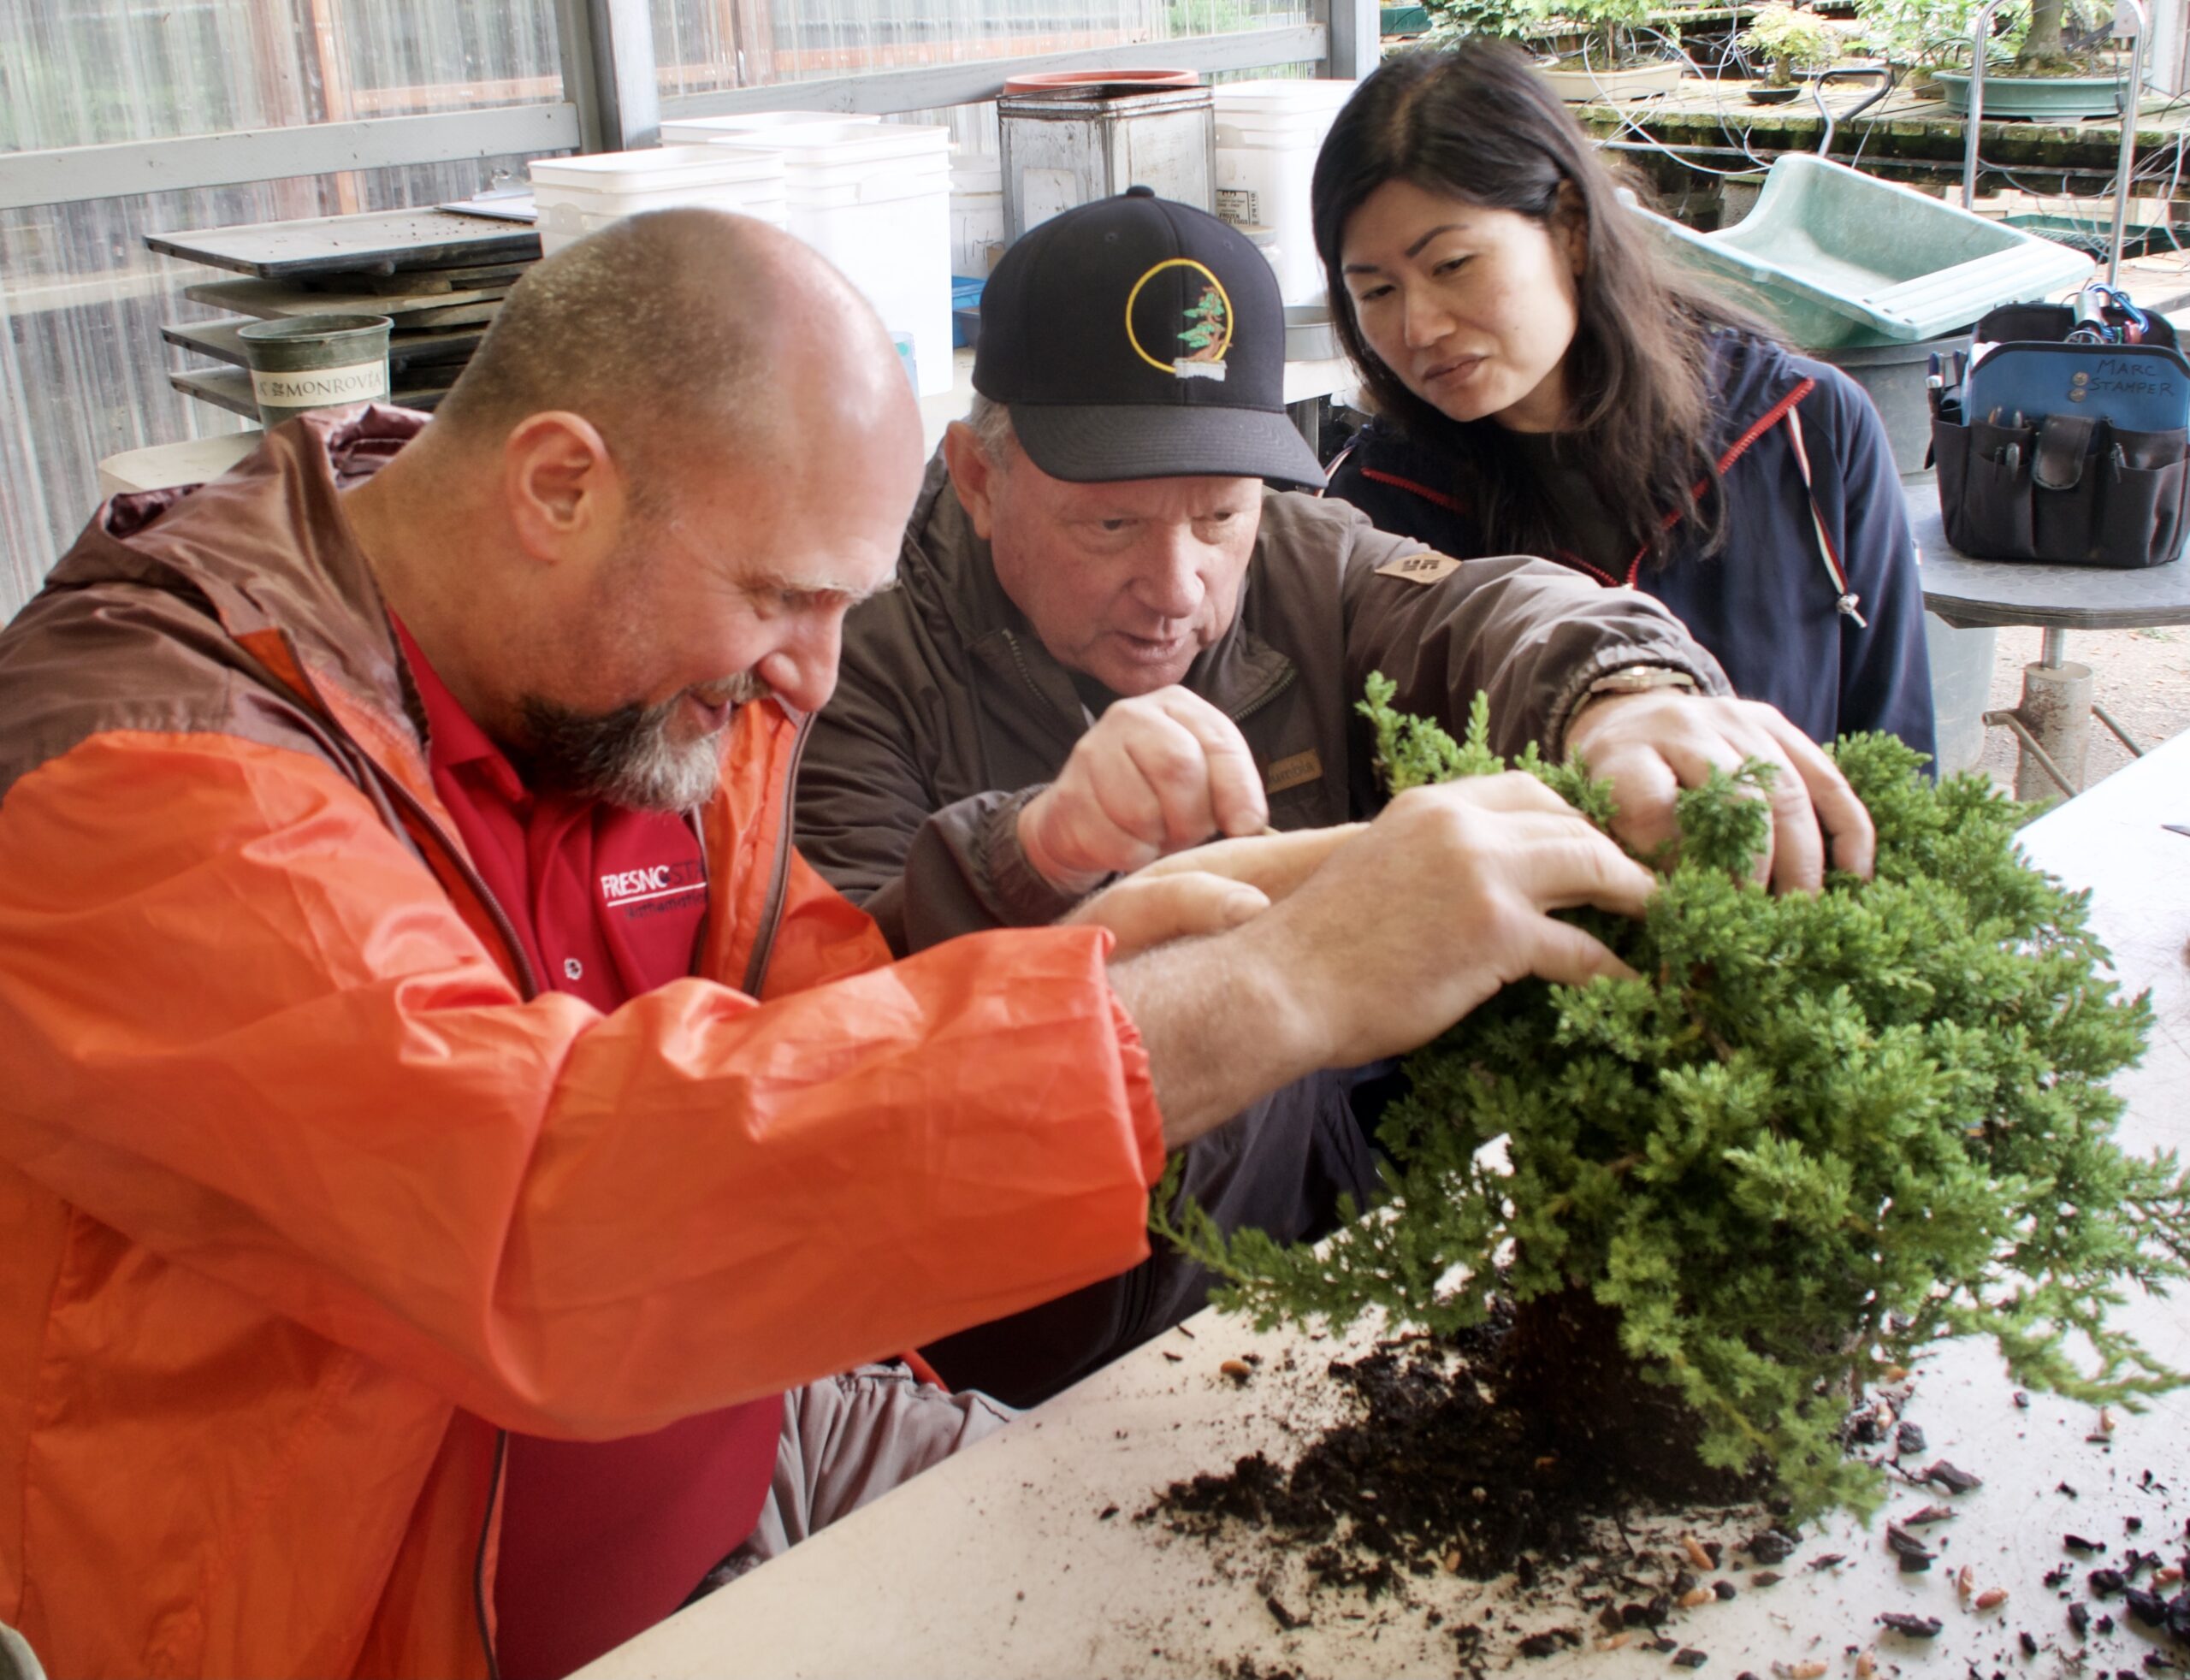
[321, 387]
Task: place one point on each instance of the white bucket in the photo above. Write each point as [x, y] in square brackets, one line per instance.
[695, 130]
[1268, 134]
[568, 224]
[578, 196]
[874, 198]
[653, 170]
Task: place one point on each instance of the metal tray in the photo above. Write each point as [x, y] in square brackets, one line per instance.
[380, 242]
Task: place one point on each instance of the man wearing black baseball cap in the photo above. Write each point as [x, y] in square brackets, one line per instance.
[1112, 642]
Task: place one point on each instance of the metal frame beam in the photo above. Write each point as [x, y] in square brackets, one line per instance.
[613, 105]
[883, 92]
[608, 71]
[1356, 37]
[66, 173]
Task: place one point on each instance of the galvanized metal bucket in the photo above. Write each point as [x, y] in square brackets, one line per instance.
[306, 362]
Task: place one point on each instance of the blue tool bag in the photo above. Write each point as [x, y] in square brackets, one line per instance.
[2064, 442]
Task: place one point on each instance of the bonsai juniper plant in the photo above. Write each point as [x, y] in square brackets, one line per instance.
[1814, 1132]
[1791, 38]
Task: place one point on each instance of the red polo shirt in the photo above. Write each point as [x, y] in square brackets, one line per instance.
[599, 1540]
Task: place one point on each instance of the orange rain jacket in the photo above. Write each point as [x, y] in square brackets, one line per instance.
[309, 1191]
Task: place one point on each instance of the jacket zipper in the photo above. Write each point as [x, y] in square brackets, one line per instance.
[1255, 703]
[1026, 674]
[1771, 417]
[529, 984]
[1740, 448]
[1246, 710]
[479, 1558]
[771, 910]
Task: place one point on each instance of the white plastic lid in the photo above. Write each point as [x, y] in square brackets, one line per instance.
[700, 129]
[822, 143]
[638, 171]
[1279, 95]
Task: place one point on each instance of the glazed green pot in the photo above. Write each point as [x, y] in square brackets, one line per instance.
[305, 361]
[2066, 98]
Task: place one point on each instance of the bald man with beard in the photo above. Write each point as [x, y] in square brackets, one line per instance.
[455, 1147]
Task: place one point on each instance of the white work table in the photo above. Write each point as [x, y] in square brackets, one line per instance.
[1022, 1556]
[196, 459]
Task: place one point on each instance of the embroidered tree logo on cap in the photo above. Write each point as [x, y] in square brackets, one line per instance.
[1205, 331]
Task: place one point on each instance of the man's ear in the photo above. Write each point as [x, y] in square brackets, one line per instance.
[566, 495]
[973, 474]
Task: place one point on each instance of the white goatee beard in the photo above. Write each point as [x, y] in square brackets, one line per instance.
[626, 756]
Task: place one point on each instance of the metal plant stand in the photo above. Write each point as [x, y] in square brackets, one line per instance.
[2051, 719]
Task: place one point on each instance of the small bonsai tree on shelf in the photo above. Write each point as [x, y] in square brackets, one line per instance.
[2029, 38]
[1815, 1131]
[1791, 38]
[1610, 32]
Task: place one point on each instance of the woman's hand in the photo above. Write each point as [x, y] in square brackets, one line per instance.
[1651, 745]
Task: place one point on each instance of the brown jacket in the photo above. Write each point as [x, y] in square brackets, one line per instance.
[949, 713]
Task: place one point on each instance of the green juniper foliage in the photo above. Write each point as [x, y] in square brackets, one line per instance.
[1815, 1133]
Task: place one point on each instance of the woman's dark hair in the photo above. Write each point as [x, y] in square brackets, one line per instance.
[1475, 122]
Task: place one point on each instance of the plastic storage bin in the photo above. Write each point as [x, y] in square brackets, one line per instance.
[874, 198]
[1268, 134]
[578, 196]
[1837, 258]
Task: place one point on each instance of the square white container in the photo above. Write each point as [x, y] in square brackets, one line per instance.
[651, 170]
[874, 198]
[1268, 135]
[576, 224]
[697, 130]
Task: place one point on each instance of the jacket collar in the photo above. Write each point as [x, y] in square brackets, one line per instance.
[1236, 673]
[268, 547]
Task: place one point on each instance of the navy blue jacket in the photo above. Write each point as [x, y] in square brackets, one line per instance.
[1766, 603]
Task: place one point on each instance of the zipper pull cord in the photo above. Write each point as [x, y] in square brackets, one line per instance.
[1845, 598]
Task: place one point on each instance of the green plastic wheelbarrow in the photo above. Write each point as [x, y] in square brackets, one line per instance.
[1834, 258]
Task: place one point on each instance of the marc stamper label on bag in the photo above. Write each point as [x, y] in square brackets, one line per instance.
[321, 387]
[1424, 566]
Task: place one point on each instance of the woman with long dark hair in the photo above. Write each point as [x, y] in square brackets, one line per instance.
[1546, 383]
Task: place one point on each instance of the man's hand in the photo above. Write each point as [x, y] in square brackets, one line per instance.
[1400, 932]
[1445, 898]
[1158, 772]
[1147, 909]
[1207, 890]
[1651, 745]
[1273, 864]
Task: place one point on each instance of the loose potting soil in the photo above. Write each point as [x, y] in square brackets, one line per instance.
[1466, 1458]
[1462, 1460]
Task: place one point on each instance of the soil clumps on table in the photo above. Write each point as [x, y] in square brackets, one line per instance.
[1478, 1454]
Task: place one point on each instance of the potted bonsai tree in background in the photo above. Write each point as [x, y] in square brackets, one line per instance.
[1812, 1133]
[2045, 58]
[1922, 36]
[1790, 38]
[1601, 49]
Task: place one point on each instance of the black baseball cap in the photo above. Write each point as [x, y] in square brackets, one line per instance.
[1141, 338]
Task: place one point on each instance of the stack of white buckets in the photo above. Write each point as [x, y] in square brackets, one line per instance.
[1268, 134]
[873, 197]
[881, 200]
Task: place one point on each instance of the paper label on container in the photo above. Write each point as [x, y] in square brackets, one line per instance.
[321, 387]
[1238, 205]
